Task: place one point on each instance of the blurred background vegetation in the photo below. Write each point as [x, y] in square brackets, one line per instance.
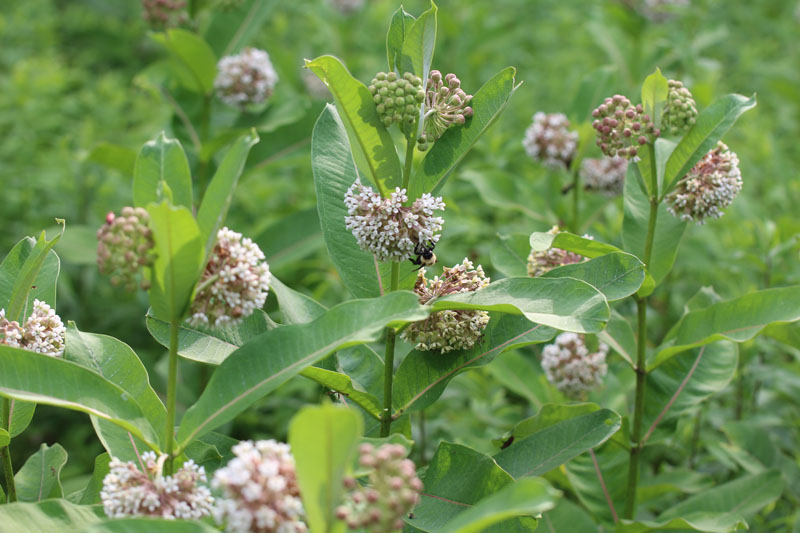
[78, 74]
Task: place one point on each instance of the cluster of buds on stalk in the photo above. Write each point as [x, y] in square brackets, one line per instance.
[605, 175]
[125, 246]
[128, 491]
[234, 283]
[392, 491]
[260, 489]
[385, 227]
[245, 79]
[543, 261]
[622, 127]
[164, 14]
[550, 141]
[446, 105]
[569, 366]
[43, 331]
[708, 188]
[449, 330]
[680, 111]
[397, 99]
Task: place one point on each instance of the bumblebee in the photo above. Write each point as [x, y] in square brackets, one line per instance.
[425, 256]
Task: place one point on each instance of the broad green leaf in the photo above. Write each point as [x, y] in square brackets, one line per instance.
[218, 195]
[193, 55]
[49, 515]
[29, 272]
[709, 128]
[232, 28]
[91, 494]
[566, 516]
[739, 319]
[564, 240]
[562, 303]
[423, 376]
[509, 254]
[558, 443]
[149, 525]
[365, 368]
[655, 90]
[21, 416]
[291, 239]
[114, 156]
[296, 308]
[162, 173]
[247, 375]
[399, 27]
[5, 438]
[419, 43]
[49, 380]
[179, 249]
[334, 173]
[549, 415]
[743, 496]
[517, 372]
[453, 145]
[618, 334]
[617, 275]
[708, 522]
[581, 472]
[39, 478]
[663, 150]
[371, 139]
[324, 441]
[342, 384]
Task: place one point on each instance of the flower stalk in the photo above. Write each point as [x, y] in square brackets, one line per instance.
[172, 392]
[5, 455]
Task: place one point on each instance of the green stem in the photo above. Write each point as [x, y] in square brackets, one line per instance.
[410, 145]
[5, 455]
[388, 364]
[172, 389]
[576, 187]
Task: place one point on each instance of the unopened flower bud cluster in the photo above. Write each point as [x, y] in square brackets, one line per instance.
[622, 127]
[43, 331]
[391, 492]
[245, 79]
[397, 99]
[542, 262]
[127, 491]
[446, 105]
[234, 283]
[708, 188]
[680, 111]
[569, 366]
[449, 330]
[388, 229]
[164, 14]
[124, 248]
[260, 489]
[605, 175]
[550, 141]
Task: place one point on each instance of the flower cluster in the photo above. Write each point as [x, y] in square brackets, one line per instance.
[550, 141]
[397, 100]
[393, 490]
[605, 175]
[446, 105]
[128, 491]
[261, 491]
[386, 228]
[346, 7]
[570, 367]
[621, 126]
[163, 14]
[708, 188]
[245, 79]
[449, 329]
[234, 283]
[124, 247]
[680, 111]
[542, 262]
[43, 331]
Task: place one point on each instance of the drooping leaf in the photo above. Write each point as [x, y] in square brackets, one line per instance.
[162, 173]
[564, 240]
[509, 254]
[342, 384]
[193, 56]
[21, 416]
[49, 515]
[418, 45]
[549, 415]
[582, 474]
[40, 476]
[29, 272]
[91, 494]
[617, 275]
[399, 27]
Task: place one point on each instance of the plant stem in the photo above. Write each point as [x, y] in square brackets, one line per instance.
[172, 389]
[410, 145]
[576, 187]
[5, 455]
[388, 364]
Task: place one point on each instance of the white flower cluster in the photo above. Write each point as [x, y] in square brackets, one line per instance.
[261, 492]
[43, 331]
[605, 175]
[245, 79]
[542, 262]
[549, 140]
[449, 330]
[393, 490]
[570, 367]
[234, 284]
[708, 188]
[387, 229]
[127, 491]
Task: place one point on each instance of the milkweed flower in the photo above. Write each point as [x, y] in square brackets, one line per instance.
[385, 227]
[605, 175]
[449, 330]
[392, 490]
[680, 111]
[550, 141]
[543, 261]
[708, 188]
[446, 105]
[128, 491]
[245, 79]
[397, 99]
[622, 127]
[124, 247]
[260, 489]
[569, 366]
[43, 331]
[164, 14]
[234, 284]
